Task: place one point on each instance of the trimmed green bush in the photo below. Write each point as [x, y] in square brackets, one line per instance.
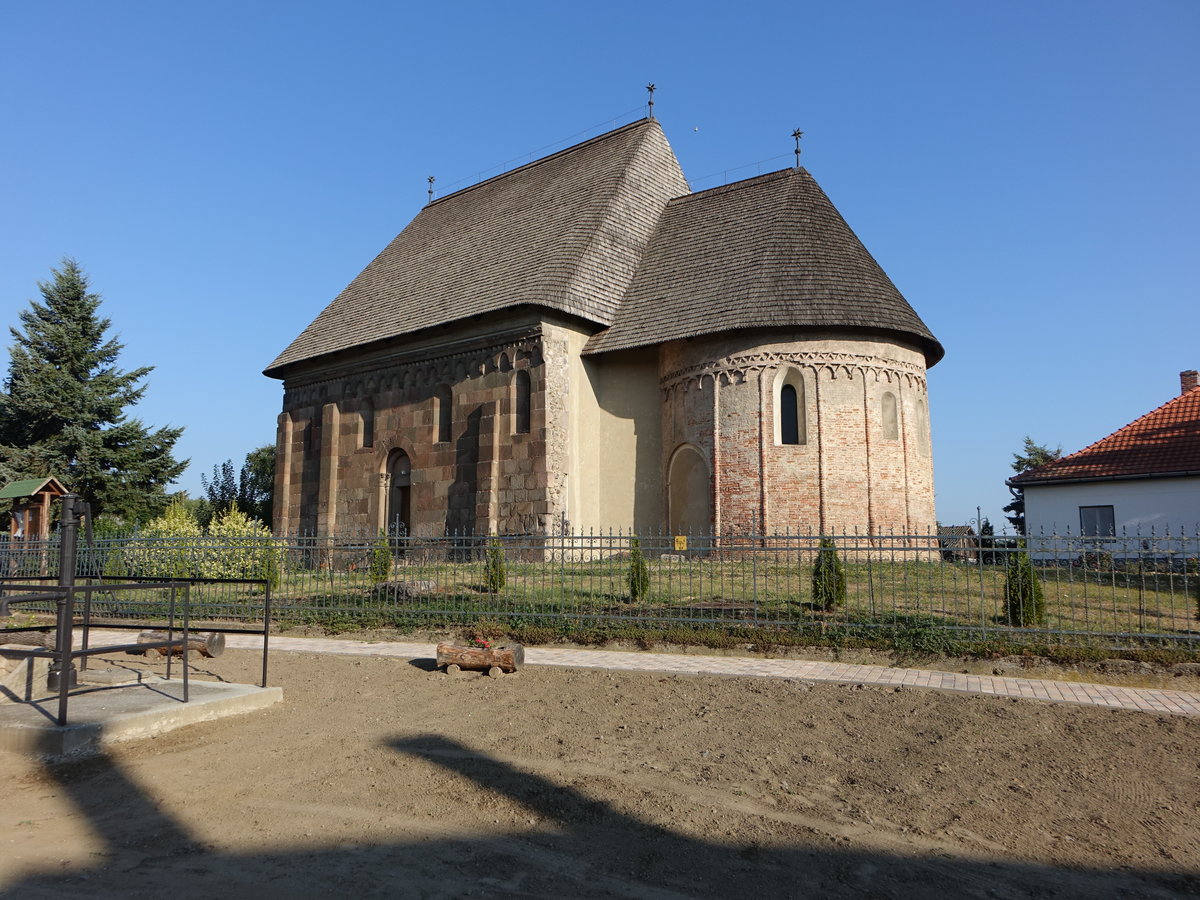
[828, 577]
[1024, 601]
[381, 559]
[495, 570]
[639, 574]
[239, 547]
[164, 548]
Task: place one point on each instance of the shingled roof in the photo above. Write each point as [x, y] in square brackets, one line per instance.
[767, 252]
[564, 232]
[1163, 443]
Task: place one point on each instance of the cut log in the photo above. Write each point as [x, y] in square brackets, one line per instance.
[44, 639]
[508, 658]
[209, 644]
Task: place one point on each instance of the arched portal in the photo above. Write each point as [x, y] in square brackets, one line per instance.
[689, 492]
[399, 495]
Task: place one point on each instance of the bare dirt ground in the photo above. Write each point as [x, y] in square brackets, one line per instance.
[379, 777]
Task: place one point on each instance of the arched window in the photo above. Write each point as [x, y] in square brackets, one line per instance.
[443, 412]
[790, 424]
[891, 424]
[398, 520]
[522, 391]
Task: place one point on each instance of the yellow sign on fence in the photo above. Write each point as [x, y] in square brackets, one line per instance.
[681, 542]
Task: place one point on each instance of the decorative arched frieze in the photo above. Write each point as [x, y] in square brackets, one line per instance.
[736, 369]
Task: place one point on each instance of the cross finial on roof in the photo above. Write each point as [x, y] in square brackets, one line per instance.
[431, 179]
[650, 88]
[797, 134]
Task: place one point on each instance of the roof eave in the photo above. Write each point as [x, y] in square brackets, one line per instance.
[1081, 479]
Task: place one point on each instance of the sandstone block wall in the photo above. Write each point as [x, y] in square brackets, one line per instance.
[339, 429]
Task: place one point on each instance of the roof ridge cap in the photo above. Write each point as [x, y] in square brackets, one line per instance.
[610, 199]
[543, 159]
[740, 185]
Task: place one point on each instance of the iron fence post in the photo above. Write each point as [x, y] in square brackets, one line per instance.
[62, 670]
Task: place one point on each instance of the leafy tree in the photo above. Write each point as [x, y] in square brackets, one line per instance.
[256, 484]
[1035, 455]
[251, 490]
[828, 578]
[62, 410]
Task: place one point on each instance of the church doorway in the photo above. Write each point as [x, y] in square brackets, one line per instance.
[689, 493]
[399, 496]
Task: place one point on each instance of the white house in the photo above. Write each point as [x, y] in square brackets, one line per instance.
[1143, 478]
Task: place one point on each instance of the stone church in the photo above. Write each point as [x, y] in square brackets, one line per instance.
[583, 343]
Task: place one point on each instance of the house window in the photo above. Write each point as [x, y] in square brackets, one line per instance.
[891, 425]
[790, 425]
[1097, 521]
[522, 394]
[443, 412]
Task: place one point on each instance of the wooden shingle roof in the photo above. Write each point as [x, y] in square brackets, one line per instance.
[767, 252]
[564, 232]
[1163, 443]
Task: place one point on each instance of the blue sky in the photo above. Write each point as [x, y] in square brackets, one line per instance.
[1024, 171]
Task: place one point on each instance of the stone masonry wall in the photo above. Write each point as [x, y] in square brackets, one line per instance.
[338, 432]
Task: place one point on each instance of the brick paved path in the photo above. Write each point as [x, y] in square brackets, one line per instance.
[1145, 699]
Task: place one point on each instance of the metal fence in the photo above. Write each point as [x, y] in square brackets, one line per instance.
[1120, 590]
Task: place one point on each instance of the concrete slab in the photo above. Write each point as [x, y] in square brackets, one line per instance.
[101, 715]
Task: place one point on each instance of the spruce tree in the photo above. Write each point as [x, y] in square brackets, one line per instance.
[62, 411]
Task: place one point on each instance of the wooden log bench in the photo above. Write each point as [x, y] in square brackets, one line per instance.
[493, 660]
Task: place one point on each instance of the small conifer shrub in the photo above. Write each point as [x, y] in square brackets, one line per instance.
[1024, 602]
[495, 571]
[639, 574]
[381, 559]
[828, 578]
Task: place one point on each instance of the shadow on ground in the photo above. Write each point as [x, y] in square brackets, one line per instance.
[584, 853]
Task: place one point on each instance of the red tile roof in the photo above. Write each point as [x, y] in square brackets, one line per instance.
[1161, 443]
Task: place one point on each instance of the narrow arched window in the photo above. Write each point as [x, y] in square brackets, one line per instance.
[522, 391]
[790, 426]
[789, 420]
[443, 412]
[891, 425]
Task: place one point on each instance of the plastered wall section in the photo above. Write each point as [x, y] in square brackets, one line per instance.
[1139, 506]
[849, 473]
[608, 413]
